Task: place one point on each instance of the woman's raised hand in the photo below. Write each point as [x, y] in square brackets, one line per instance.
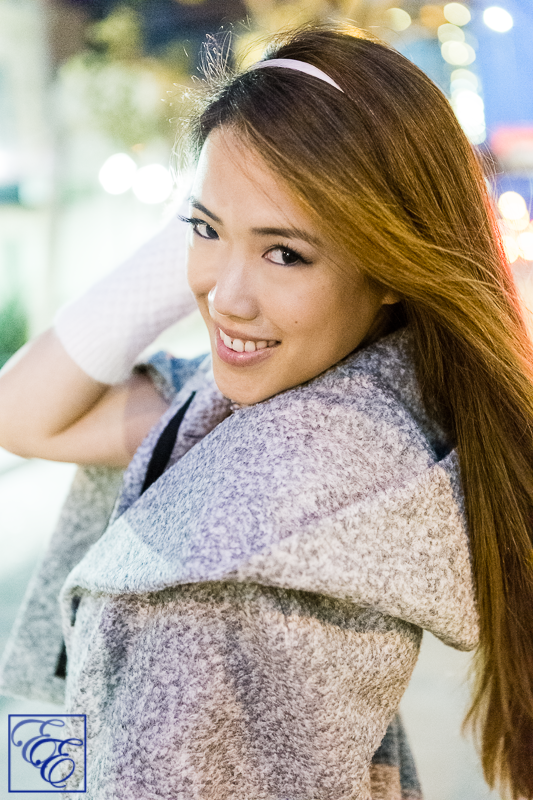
[69, 395]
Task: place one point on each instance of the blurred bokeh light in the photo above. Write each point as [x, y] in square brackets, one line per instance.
[117, 173]
[498, 19]
[457, 13]
[397, 18]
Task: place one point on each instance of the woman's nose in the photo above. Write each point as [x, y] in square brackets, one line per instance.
[233, 296]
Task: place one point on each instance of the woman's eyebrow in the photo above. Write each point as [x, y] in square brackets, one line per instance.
[287, 233]
[196, 204]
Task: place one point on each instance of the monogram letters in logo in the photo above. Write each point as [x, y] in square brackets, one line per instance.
[47, 753]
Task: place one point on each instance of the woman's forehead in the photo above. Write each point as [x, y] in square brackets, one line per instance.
[226, 153]
[232, 175]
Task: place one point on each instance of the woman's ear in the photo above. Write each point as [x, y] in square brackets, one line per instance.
[389, 298]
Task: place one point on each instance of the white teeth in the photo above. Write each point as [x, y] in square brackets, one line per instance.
[240, 346]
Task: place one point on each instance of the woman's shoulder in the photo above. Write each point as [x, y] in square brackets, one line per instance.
[388, 366]
[368, 406]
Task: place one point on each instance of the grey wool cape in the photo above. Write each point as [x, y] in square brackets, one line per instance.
[246, 627]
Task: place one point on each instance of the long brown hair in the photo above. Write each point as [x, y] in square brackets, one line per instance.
[389, 174]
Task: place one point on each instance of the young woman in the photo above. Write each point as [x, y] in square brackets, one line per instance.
[248, 622]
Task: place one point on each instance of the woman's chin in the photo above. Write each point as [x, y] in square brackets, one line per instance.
[240, 389]
[237, 394]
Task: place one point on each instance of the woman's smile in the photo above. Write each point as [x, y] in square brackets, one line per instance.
[241, 351]
[280, 306]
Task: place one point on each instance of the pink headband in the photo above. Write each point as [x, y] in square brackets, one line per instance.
[300, 66]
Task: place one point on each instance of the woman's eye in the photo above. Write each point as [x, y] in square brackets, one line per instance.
[201, 228]
[285, 257]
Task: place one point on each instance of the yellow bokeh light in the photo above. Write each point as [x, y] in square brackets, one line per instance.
[463, 79]
[512, 206]
[519, 224]
[397, 19]
[514, 226]
[431, 16]
[450, 33]
[457, 13]
[458, 53]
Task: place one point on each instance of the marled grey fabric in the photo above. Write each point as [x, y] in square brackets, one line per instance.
[31, 656]
[248, 626]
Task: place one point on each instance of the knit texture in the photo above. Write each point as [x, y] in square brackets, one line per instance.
[247, 627]
[106, 329]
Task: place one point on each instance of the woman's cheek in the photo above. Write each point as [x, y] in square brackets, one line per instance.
[304, 312]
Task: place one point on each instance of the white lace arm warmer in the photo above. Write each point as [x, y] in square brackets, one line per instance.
[106, 328]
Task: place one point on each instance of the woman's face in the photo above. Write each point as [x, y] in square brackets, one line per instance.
[280, 306]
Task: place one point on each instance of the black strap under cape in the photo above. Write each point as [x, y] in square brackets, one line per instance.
[156, 466]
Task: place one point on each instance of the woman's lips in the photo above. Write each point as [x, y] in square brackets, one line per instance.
[243, 359]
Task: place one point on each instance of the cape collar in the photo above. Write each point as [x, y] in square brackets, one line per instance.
[332, 487]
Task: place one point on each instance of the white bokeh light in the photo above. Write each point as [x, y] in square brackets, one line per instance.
[511, 248]
[458, 53]
[512, 205]
[397, 19]
[450, 33]
[525, 243]
[519, 224]
[117, 173]
[152, 184]
[470, 111]
[498, 19]
[463, 79]
[457, 13]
